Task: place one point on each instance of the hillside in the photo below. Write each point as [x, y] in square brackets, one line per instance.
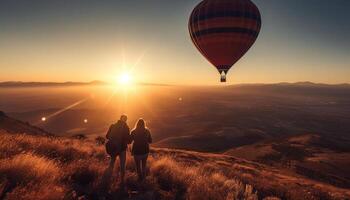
[11, 125]
[318, 157]
[45, 167]
[218, 142]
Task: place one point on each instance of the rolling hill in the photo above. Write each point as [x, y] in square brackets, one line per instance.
[315, 156]
[35, 166]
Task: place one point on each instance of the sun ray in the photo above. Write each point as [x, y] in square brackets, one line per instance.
[138, 61]
[109, 99]
[46, 118]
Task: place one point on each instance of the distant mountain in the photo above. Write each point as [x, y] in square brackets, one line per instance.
[47, 84]
[311, 84]
[295, 84]
[11, 125]
[57, 84]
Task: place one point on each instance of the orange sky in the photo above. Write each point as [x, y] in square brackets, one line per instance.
[85, 42]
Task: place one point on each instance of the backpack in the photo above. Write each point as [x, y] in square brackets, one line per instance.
[115, 144]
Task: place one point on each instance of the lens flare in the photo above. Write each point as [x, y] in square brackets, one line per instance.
[43, 119]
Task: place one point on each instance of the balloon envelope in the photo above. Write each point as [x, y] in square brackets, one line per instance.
[224, 30]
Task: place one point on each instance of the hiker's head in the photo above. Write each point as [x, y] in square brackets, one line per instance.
[123, 118]
[141, 124]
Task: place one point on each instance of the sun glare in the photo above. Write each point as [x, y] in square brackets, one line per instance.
[124, 79]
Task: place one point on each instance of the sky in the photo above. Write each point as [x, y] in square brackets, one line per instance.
[85, 40]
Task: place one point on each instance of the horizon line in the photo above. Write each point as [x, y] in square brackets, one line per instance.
[99, 82]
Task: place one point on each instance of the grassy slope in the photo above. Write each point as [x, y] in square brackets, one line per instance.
[16, 126]
[41, 167]
[311, 155]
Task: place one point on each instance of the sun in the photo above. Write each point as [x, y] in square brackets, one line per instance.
[125, 78]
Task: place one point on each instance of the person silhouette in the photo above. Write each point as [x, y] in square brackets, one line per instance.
[141, 138]
[118, 136]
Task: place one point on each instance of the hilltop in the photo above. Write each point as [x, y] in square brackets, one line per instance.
[45, 167]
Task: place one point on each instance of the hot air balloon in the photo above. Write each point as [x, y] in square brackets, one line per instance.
[224, 30]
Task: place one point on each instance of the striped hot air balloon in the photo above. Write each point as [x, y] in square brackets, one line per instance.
[224, 30]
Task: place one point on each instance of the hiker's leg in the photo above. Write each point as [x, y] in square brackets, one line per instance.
[144, 163]
[122, 159]
[111, 162]
[138, 166]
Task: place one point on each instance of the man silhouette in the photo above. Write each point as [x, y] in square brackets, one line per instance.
[118, 137]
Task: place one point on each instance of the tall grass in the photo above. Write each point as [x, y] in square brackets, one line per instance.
[195, 183]
[28, 167]
[40, 167]
[28, 176]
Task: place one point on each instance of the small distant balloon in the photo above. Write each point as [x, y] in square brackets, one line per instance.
[43, 119]
[86, 121]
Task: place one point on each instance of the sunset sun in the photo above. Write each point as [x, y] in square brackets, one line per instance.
[125, 78]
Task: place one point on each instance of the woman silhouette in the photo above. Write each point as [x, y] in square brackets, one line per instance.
[141, 138]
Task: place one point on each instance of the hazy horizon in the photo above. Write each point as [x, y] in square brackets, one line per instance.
[165, 84]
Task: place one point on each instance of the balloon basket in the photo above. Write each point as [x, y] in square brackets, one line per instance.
[223, 79]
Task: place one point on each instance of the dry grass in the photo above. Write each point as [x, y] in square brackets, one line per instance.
[194, 182]
[28, 167]
[29, 176]
[35, 167]
[37, 192]
[40, 167]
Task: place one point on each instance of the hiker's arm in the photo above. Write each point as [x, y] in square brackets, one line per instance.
[108, 135]
[128, 136]
[149, 137]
